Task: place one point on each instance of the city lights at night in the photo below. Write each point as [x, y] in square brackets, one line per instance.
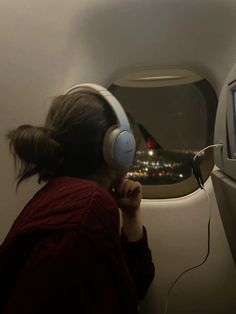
[161, 166]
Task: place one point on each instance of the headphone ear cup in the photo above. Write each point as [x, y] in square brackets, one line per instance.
[119, 148]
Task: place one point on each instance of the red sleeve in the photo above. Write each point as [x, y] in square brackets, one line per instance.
[139, 260]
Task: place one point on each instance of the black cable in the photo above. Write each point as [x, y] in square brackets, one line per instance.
[198, 176]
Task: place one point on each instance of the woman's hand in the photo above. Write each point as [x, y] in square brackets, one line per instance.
[128, 195]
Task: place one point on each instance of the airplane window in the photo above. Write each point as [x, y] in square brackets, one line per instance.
[174, 122]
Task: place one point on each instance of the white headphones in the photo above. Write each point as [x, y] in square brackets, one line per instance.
[119, 143]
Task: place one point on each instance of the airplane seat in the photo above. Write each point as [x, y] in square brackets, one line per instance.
[224, 179]
[225, 192]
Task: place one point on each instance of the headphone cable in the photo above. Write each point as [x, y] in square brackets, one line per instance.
[208, 231]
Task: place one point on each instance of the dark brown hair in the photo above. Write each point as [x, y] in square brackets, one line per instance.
[70, 142]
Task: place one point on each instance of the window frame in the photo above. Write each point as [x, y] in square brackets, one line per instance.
[153, 77]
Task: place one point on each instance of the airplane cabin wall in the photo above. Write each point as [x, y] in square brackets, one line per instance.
[178, 238]
[49, 45]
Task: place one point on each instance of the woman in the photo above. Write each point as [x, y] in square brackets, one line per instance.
[65, 252]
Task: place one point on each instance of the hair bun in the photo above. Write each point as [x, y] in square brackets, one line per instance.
[34, 145]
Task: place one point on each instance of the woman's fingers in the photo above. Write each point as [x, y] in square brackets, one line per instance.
[128, 187]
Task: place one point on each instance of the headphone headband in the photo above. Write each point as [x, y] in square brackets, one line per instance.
[113, 102]
[119, 142]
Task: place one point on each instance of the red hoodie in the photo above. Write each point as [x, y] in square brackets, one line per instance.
[64, 254]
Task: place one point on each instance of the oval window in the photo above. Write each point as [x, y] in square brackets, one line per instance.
[175, 111]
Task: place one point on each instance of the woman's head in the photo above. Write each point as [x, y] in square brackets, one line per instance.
[70, 143]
